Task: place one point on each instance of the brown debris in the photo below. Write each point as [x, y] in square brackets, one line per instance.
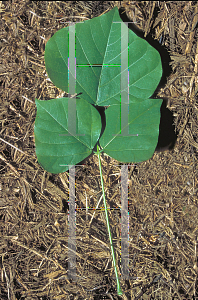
[163, 192]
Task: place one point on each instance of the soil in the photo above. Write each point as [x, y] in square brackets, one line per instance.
[163, 191]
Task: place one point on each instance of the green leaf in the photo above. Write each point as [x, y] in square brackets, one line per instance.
[99, 46]
[54, 147]
[144, 118]
[98, 61]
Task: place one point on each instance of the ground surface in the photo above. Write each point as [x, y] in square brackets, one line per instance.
[163, 202]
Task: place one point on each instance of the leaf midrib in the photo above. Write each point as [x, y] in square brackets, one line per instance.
[64, 127]
[116, 134]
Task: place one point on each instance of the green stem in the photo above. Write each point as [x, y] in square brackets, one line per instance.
[119, 290]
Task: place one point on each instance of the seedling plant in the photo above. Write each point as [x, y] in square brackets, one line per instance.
[132, 126]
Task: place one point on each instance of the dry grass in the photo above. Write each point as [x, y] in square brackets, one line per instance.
[163, 202]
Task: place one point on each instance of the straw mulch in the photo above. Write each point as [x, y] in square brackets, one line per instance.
[163, 202]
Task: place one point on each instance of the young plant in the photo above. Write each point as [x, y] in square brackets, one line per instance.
[99, 78]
